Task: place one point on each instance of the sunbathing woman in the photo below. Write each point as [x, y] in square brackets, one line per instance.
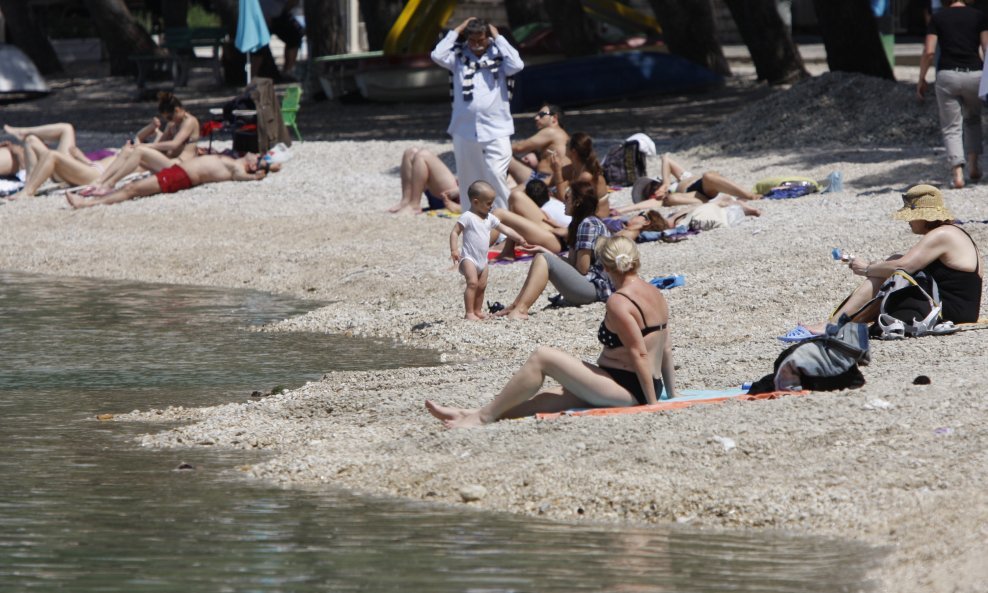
[679, 187]
[65, 162]
[534, 218]
[636, 348]
[175, 145]
[11, 159]
[579, 278]
[583, 166]
[422, 172]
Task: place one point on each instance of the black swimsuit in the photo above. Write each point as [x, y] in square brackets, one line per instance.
[629, 379]
[609, 339]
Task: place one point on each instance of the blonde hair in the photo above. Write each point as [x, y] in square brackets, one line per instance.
[618, 253]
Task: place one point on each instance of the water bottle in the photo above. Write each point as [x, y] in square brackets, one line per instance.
[841, 255]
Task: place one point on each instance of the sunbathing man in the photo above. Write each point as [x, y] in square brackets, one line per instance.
[210, 168]
[679, 187]
[535, 150]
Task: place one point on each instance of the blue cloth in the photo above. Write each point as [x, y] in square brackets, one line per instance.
[663, 282]
[252, 31]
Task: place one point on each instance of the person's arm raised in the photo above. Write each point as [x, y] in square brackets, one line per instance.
[443, 53]
[513, 63]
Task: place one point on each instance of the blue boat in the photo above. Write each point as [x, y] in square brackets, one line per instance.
[607, 77]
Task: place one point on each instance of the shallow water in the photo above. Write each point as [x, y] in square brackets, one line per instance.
[82, 508]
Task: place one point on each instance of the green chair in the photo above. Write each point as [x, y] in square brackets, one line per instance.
[289, 108]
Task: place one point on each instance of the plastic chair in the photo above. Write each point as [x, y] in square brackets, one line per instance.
[289, 108]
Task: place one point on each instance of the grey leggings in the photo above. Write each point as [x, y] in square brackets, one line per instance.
[570, 283]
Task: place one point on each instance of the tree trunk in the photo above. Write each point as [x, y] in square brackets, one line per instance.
[523, 12]
[379, 17]
[572, 27]
[325, 27]
[688, 30]
[850, 36]
[175, 13]
[27, 34]
[776, 57]
[120, 33]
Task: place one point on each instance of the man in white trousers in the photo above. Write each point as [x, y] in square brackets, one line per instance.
[481, 124]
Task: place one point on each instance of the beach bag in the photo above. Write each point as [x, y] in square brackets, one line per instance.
[624, 164]
[822, 363]
[910, 306]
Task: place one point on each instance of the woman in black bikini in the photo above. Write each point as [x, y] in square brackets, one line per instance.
[637, 349]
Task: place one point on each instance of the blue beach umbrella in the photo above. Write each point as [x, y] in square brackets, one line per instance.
[252, 31]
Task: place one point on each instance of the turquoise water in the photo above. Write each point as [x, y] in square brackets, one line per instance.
[83, 509]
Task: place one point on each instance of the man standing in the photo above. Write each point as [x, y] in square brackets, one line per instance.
[550, 138]
[481, 124]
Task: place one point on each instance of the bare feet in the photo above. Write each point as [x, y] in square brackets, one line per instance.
[396, 207]
[408, 210]
[15, 132]
[443, 412]
[751, 197]
[470, 419]
[957, 177]
[473, 317]
[76, 201]
[516, 315]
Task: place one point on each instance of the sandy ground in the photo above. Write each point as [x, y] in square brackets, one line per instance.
[893, 464]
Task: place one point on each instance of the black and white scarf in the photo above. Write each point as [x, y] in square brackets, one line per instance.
[470, 68]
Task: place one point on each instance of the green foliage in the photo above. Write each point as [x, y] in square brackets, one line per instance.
[200, 17]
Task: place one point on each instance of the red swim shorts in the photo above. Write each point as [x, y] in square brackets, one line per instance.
[173, 179]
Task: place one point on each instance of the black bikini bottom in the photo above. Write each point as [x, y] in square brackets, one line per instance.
[629, 380]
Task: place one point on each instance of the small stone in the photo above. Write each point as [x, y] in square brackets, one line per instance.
[104, 417]
[185, 466]
[472, 493]
[726, 442]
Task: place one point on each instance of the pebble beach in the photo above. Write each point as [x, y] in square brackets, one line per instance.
[894, 464]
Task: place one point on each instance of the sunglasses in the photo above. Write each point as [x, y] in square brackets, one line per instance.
[542, 114]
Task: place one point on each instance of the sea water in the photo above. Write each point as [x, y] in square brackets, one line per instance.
[83, 509]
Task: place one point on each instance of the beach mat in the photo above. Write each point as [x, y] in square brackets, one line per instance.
[981, 323]
[687, 399]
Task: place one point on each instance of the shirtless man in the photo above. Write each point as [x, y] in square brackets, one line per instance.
[210, 168]
[550, 138]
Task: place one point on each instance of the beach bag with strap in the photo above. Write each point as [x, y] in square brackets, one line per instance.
[909, 307]
[624, 164]
[822, 363]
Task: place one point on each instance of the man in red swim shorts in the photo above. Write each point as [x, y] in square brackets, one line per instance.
[211, 168]
[173, 179]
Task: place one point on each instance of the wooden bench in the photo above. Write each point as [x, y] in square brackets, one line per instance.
[181, 44]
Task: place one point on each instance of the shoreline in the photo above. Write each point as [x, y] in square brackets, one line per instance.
[833, 464]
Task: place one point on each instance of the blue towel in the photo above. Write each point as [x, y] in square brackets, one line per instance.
[665, 282]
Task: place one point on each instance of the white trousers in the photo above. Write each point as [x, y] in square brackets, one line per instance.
[487, 161]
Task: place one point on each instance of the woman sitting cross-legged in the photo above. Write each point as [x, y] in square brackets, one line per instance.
[945, 252]
[636, 348]
[579, 278]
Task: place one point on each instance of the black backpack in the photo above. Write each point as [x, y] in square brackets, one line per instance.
[624, 164]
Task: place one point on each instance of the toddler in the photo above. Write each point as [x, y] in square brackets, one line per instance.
[476, 225]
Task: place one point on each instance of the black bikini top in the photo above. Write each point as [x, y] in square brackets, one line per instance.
[609, 339]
